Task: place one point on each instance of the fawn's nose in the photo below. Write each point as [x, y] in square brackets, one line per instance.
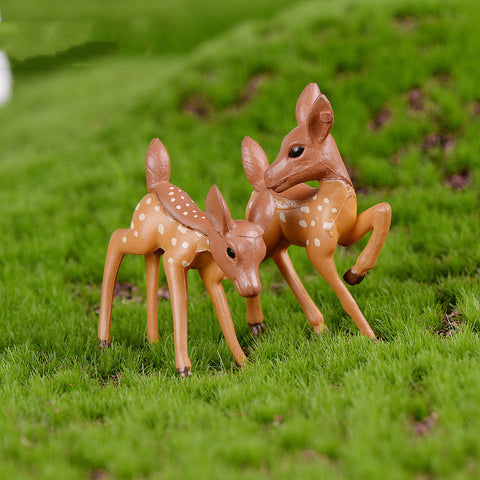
[249, 288]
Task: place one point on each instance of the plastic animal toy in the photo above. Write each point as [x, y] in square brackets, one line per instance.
[167, 222]
[315, 218]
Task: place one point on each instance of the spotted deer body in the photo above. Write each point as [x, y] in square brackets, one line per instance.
[167, 223]
[317, 219]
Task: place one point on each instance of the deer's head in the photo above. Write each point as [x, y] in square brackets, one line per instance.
[237, 246]
[308, 152]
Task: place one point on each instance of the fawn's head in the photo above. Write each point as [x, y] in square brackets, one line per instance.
[237, 246]
[308, 152]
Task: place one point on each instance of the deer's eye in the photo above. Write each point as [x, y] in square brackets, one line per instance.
[295, 152]
[230, 253]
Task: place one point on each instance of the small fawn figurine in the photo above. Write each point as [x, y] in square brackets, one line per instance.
[315, 218]
[167, 222]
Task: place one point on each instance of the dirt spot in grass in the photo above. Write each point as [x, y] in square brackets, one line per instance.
[250, 90]
[198, 105]
[313, 456]
[277, 287]
[406, 23]
[115, 379]
[127, 291]
[424, 426]
[443, 78]
[381, 118]
[476, 110]
[459, 181]
[439, 140]
[415, 99]
[451, 322]
[98, 474]
[164, 293]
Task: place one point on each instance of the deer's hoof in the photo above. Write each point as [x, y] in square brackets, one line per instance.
[353, 278]
[184, 372]
[256, 329]
[103, 344]
[321, 329]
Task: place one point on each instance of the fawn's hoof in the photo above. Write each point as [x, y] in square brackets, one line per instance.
[353, 278]
[184, 372]
[103, 344]
[321, 329]
[256, 329]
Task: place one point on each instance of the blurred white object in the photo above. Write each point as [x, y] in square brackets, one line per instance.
[5, 77]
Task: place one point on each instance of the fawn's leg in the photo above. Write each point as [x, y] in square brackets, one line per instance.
[113, 260]
[212, 277]
[152, 261]
[377, 218]
[322, 260]
[313, 314]
[177, 284]
[255, 316]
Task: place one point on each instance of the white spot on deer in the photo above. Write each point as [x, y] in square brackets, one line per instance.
[303, 223]
[198, 234]
[282, 217]
[328, 225]
[185, 213]
[334, 210]
[174, 241]
[203, 216]
[161, 228]
[326, 200]
[305, 209]
[132, 226]
[319, 208]
[315, 197]
[195, 216]
[171, 193]
[124, 239]
[185, 263]
[313, 223]
[141, 217]
[135, 233]
[172, 199]
[316, 241]
[187, 204]
[157, 208]
[170, 260]
[182, 228]
[148, 201]
[182, 197]
[208, 241]
[138, 205]
[185, 245]
[178, 207]
[307, 242]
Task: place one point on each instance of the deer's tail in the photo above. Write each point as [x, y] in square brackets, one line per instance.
[255, 162]
[157, 164]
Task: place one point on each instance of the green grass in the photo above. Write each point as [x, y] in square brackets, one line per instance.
[72, 146]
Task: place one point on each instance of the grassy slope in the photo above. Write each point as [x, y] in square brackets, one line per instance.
[72, 148]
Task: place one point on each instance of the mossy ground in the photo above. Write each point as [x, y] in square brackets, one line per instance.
[92, 87]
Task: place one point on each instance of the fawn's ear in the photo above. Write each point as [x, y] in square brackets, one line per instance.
[320, 119]
[305, 102]
[217, 211]
[262, 210]
[255, 162]
[157, 164]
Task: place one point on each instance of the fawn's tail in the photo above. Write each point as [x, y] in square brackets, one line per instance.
[255, 162]
[157, 164]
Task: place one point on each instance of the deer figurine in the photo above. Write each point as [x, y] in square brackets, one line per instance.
[167, 222]
[315, 218]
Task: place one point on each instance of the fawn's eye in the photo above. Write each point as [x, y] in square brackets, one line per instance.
[295, 152]
[230, 253]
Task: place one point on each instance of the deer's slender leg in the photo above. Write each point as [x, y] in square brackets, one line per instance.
[325, 266]
[212, 277]
[377, 218]
[152, 262]
[113, 260]
[255, 316]
[313, 314]
[177, 284]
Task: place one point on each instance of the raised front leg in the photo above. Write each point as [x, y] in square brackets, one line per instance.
[212, 277]
[325, 266]
[177, 284]
[152, 262]
[377, 218]
[313, 314]
[113, 261]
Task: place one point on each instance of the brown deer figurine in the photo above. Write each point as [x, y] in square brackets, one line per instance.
[167, 222]
[315, 218]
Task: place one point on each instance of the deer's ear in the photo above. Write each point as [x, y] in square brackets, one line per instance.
[320, 119]
[217, 211]
[305, 102]
[262, 210]
[254, 162]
